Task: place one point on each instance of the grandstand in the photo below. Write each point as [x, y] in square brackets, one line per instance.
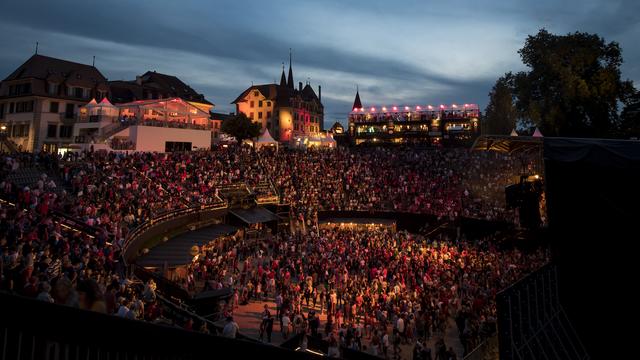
[146, 236]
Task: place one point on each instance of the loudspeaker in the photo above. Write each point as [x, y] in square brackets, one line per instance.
[512, 194]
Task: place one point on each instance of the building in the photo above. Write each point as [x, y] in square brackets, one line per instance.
[287, 112]
[39, 101]
[439, 124]
[152, 86]
[216, 124]
[55, 105]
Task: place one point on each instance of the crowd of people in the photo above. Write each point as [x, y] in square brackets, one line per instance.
[378, 288]
[366, 282]
[448, 182]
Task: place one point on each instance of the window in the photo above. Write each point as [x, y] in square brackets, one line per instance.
[65, 131]
[68, 113]
[260, 103]
[251, 116]
[52, 130]
[2, 111]
[171, 146]
[20, 89]
[101, 95]
[53, 89]
[256, 93]
[24, 106]
[268, 124]
[268, 114]
[86, 93]
[259, 114]
[77, 92]
[252, 103]
[11, 108]
[269, 103]
[53, 106]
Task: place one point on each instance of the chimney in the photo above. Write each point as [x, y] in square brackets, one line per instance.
[319, 92]
[299, 85]
[138, 79]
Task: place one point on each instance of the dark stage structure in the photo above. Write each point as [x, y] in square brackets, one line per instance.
[592, 189]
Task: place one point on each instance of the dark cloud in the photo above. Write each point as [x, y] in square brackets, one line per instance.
[220, 47]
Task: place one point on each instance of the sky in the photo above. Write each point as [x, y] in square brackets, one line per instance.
[395, 52]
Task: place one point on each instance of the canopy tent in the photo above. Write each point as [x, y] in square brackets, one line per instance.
[104, 109]
[537, 133]
[506, 144]
[265, 139]
[254, 215]
[170, 110]
[513, 133]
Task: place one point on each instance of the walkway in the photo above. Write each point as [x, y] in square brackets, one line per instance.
[249, 318]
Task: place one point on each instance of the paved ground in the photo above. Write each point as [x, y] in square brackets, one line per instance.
[249, 318]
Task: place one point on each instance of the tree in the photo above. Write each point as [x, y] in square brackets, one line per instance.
[573, 85]
[630, 117]
[501, 113]
[240, 127]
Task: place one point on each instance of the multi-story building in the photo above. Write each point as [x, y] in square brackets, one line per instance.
[288, 113]
[39, 101]
[439, 124]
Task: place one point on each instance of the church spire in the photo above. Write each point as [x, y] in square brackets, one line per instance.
[283, 79]
[290, 79]
[357, 104]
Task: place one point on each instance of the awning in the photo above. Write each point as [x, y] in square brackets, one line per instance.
[506, 144]
[254, 215]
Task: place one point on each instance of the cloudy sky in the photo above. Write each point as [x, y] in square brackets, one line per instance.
[397, 52]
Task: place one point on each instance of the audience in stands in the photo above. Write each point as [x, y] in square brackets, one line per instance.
[62, 236]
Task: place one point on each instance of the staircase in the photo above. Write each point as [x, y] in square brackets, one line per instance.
[25, 177]
[111, 130]
[7, 145]
[265, 193]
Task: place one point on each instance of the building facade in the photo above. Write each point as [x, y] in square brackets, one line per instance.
[433, 124]
[287, 112]
[39, 101]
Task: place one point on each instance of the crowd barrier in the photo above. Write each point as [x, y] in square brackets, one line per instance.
[531, 322]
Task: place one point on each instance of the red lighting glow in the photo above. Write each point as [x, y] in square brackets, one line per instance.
[384, 108]
[395, 108]
[418, 107]
[430, 107]
[441, 106]
[406, 108]
[373, 109]
[455, 106]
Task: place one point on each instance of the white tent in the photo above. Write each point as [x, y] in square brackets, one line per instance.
[514, 133]
[265, 140]
[106, 103]
[92, 103]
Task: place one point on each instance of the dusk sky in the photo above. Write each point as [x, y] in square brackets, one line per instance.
[397, 52]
